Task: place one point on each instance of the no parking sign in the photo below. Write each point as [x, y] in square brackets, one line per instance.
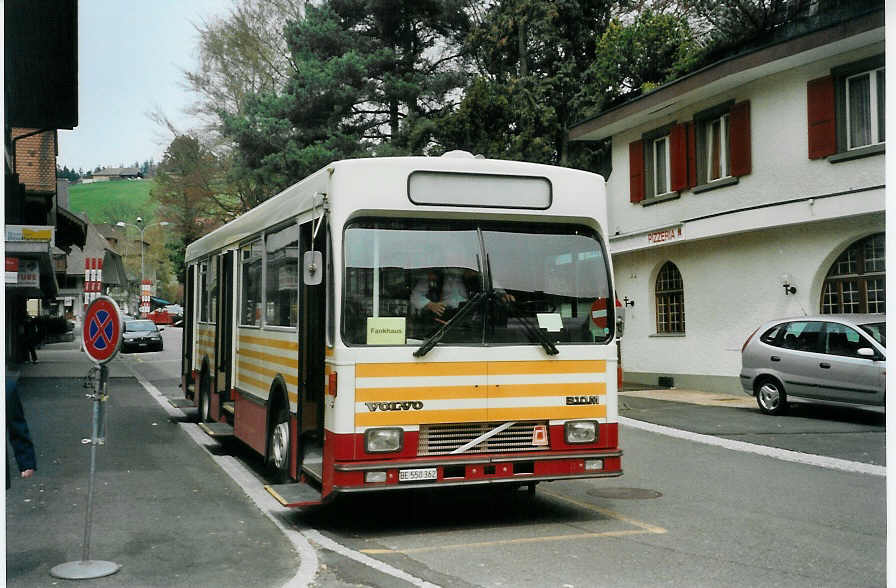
[102, 330]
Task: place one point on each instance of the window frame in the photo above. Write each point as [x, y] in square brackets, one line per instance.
[202, 284]
[663, 298]
[702, 127]
[247, 245]
[861, 276]
[841, 74]
[264, 283]
[650, 140]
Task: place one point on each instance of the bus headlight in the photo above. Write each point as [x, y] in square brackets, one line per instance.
[580, 431]
[382, 440]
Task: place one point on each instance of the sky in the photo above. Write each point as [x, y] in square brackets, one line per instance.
[131, 59]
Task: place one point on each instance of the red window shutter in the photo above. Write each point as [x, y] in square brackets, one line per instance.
[692, 154]
[678, 158]
[739, 137]
[636, 171]
[822, 121]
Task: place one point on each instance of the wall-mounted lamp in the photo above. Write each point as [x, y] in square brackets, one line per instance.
[786, 283]
[627, 301]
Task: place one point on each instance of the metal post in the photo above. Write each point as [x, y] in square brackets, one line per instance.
[87, 569]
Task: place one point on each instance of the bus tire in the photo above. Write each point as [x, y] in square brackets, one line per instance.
[279, 443]
[205, 398]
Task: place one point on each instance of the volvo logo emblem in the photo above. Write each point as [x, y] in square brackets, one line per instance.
[383, 406]
[575, 400]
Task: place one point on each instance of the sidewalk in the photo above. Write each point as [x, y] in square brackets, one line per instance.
[698, 397]
[163, 509]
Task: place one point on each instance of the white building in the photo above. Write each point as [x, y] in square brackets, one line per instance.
[749, 190]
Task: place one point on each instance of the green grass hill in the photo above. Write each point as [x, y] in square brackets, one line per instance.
[123, 200]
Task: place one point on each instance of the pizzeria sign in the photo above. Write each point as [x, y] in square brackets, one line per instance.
[667, 235]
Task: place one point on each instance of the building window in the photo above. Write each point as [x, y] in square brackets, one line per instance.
[660, 160]
[856, 281]
[865, 109]
[722, 144]
[669, 300]
[250, 284]
[282, 277]
[717, 154]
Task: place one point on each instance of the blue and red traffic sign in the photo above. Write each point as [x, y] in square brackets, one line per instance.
[102, 329]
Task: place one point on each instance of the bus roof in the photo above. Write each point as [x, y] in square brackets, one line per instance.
[386, 184]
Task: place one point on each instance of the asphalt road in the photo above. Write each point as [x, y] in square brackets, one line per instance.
[684, 513]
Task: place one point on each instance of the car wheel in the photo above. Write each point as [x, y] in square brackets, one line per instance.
[770, 396]
[280, 444]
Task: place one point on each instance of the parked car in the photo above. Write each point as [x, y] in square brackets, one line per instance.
[139, 335]
[828, 359]
[176, 312]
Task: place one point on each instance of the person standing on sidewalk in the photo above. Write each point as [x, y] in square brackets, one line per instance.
[17, 430]
[30, 339]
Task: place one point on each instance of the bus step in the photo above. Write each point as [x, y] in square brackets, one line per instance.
[181, 403]
[227, 407]
[217, 430]
[295, 495]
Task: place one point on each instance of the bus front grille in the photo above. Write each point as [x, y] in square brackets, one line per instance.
[444, 438]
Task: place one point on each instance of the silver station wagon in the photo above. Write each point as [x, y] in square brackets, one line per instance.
[829, 359]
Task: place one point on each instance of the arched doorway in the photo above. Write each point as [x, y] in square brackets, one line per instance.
[856, 282]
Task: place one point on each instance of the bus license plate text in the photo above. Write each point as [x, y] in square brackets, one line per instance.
[417, 475]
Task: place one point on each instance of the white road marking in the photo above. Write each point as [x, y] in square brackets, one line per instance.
[300, 537]
[831, 463]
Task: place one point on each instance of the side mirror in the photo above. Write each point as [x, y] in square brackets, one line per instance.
[312, 268]
[865, 352]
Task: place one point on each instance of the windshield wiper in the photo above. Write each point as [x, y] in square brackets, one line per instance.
[437, 336]
[545, 341]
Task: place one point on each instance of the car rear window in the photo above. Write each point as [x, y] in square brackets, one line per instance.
[878, 331]
[769, 336]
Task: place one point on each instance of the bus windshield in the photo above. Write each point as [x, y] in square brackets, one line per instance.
[406, 278]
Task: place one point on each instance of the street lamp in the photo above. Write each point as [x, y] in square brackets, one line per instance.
[141, 227]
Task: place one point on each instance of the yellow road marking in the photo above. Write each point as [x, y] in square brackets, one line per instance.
[642, 528]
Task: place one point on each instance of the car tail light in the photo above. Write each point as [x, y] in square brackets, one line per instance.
[748, 340]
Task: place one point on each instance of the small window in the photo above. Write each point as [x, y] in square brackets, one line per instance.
[717, 154]
[203, 292]
[282, 277]
[769, 336]
[250, 284]
[669, 300]
[865, 109]
[212, 290]
[856, 282]
[660, 159]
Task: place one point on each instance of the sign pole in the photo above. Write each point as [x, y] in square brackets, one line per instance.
[102, 338]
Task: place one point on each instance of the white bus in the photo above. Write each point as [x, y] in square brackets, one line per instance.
[411, 322]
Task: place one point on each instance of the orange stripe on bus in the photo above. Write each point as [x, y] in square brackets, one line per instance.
[418, 393]
[291, 362]
[452, 368]
[289, 378]
[268, 342]
[502, 368]
[420, 417]
[467, 391]
[518, 390]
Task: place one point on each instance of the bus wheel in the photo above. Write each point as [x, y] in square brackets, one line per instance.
[205, 400]
[279, 443]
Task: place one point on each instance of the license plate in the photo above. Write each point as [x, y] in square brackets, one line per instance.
[417, 475]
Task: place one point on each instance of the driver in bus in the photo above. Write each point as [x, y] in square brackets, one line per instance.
[440, 294]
